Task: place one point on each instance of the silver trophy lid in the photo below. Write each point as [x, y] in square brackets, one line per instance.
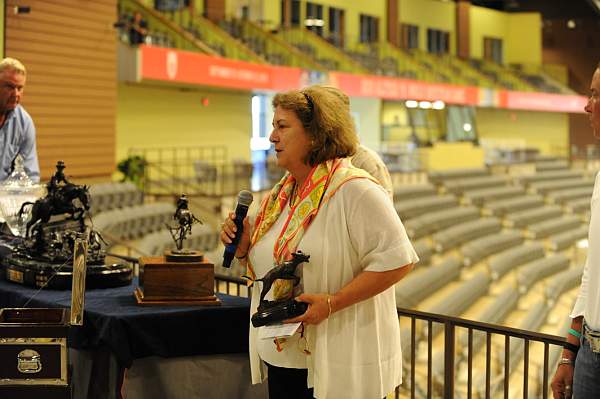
[17, 189]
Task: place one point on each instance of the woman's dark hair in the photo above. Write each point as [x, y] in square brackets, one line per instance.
[325, 114]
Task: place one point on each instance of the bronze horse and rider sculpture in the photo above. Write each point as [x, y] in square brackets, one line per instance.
[44, 257]
[59, 200]
[58, 203]
[185, 220]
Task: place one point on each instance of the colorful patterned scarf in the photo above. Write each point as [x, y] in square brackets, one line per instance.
[321, 184]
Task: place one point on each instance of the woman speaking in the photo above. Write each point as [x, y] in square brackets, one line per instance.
[348, 345]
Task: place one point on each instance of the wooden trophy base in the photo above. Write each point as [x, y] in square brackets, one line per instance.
[167, 280]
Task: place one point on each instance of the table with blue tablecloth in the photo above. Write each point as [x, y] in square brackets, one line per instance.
[118, 334]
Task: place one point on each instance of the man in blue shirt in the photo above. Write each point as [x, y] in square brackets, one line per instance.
[17, 131]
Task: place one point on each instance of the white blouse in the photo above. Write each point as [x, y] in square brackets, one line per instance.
[588, 300]
[356, 352]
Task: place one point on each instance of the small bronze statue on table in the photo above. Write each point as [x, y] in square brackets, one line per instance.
[181, 276]
[272, 312]
[185, 220]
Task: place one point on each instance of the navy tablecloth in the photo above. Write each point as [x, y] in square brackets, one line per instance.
[113, 319]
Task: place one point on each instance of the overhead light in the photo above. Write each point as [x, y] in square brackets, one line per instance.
[412, 104]
[467, 127]
[571, 24]
[314, 22]
[439, 104]
[425, 104]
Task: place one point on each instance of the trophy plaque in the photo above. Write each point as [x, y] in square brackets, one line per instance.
[181, 276]
[33, 343]
[45, 222]
[272, 312]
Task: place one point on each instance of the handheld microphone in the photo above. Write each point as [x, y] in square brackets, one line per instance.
[244, 201]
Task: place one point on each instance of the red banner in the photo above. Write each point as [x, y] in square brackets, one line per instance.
[403, 89]
[541, 101]
[194, 68]
[189, 67]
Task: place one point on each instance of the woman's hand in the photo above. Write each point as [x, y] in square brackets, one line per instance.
[562, 383]
[318, 309]
[229, 230]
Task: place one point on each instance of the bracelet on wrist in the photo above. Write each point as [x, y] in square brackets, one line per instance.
[575, 333]
[329, 305]
[566, 360]
[242, 257]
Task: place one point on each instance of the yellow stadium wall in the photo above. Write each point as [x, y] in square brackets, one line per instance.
[524, 39]
[353, 9]
[430, 14]
[547, 131]
[485, 22]
[155, 117]
[520, 33]
[269, 11]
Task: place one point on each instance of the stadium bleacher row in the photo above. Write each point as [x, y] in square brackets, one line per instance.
[490, 240]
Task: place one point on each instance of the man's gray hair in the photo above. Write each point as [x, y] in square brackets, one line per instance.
[12, 64]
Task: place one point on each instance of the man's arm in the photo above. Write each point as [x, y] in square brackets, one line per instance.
[28, 151]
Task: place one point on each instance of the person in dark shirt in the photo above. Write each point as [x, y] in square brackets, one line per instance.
[138, 29]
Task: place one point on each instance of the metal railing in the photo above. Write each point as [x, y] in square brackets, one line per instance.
[449, 389]
[168, 32]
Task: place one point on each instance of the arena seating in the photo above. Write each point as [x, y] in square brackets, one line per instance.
[480, 197]
[503, 262]
[561, 282]
[544, 187]
[411, 208]
[460, 185]
[522, 219]
[411, 191]
[549, 176]
[562, 196]
[535, 317]
[497, 310]
[460, 298]
[431, 222]
[461, 233]
[425, 251]
[579, 205]
[106, 196]
[480, 248]
[564, 240]
[419, 284]
[552, 226]
[134, 221]
[441, 176]
[551, 165]
[504, 206]
[530, 273]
